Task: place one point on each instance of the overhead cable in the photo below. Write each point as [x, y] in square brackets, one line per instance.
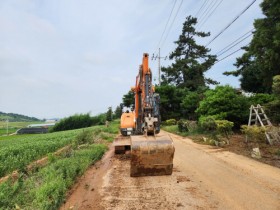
[200, 9]
[207, 18]
[172, 23]
[223, 30]
[207, 10]
[166, 24]
[234, 43]
[230, 54]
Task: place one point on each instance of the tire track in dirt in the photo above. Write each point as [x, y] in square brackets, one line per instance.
[203, 178]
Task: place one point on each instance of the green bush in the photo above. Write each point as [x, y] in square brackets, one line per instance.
[99, 119]
[187, 125]
[182, 126]
[254, 132]
[207, 123]
[261, 98]
[84, 137]
[224, 128]
[170, 122]
[227, 101]
[73, 122]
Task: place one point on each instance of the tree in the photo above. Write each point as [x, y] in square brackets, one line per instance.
[128, 99]
[109, 114]
[261, 59]
[73, 122]
[191, 60]
[190, 103]
[118, 112]
[273, 108]
[225, 102]
[170, 101]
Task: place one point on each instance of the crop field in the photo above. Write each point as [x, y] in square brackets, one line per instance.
[17, 151]
[46, 187]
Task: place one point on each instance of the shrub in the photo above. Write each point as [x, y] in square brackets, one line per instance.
[73, 122]
[187, 125]
[182, 126]
[254, 132]
[207, 123]
[84, 137]
[224, 128]
[99, 119]
[225, 100]
[261, 98]
[170, 122]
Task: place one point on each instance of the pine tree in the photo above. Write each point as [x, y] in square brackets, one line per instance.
[191, 60]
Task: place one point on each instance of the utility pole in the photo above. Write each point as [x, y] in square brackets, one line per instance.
[159, 67]
[7, 124]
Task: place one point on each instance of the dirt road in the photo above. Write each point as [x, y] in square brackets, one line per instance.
[203, 178]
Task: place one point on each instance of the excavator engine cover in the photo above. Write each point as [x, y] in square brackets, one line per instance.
[151, 155]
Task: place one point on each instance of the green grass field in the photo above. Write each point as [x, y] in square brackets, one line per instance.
[46, 187]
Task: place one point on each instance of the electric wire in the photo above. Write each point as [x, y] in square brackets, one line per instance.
[166, 24]
[200, 9]
[207, 18]
[230, 54]
[172, 23]
[238, 16]
[206, 12]
[205, 9]
[234, 43]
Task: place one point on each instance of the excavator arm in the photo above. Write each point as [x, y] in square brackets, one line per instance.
[146, 101]
[151, 153]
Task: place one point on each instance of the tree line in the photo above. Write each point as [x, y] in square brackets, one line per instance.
[185, 91]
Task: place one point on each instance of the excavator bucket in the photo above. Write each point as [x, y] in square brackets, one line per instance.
[151, 155]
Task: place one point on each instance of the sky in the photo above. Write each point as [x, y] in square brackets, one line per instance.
[63, 57]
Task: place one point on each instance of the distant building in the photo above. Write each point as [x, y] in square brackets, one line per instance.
[51, 120]
[35, 128]
[43, 125]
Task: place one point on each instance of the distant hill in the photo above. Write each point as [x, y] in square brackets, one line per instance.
[12, 117]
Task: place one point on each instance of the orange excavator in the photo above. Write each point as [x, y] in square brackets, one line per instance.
[151, 152]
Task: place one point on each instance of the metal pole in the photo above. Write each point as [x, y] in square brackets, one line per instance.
[7, 121]
[159, 66]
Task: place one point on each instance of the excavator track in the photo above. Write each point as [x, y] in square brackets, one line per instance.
[151, 155]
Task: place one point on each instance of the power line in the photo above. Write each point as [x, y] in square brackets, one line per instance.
[200, 9]
[223, 30]
[230, 54]
[206, 11]
[172, 23]
[166, 23]
[234, 43]
[207, 18]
